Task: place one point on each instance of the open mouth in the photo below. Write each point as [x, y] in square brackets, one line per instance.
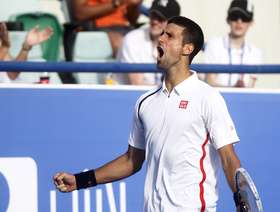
[160, 51]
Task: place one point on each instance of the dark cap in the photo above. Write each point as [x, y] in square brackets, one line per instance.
[165, 8]
[244, 7]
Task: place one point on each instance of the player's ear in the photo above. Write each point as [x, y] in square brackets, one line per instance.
[188, 49]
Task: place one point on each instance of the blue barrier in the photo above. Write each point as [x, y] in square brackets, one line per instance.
[116, 67]
[48, 130]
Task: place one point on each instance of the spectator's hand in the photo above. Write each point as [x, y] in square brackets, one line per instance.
[4, 35]
[240, 84]
[34, 36]
[65, 182]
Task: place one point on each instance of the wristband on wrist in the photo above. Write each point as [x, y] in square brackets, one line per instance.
[26, 47]
[85, 179]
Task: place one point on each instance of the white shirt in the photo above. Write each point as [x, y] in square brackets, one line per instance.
[181, 132]
[137, 47]
[218, 51]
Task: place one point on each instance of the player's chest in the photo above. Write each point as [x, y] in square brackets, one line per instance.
[172, 113]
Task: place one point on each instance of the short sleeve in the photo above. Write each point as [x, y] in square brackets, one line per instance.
[136, 136]
[218, 121]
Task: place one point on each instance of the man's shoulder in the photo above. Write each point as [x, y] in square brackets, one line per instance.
[148, 94]
[206, 91]
[205, 87]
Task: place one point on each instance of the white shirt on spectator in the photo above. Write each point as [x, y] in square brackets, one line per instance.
[218, 51]
[137, 47]
[181, 132]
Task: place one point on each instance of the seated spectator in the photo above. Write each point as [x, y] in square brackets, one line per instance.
[139, 45]
[114, 16]
[233, 48]
[33, 37]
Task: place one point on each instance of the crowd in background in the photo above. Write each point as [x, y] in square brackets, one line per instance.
[134, 42]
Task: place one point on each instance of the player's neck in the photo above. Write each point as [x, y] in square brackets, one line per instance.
[236, 42]
[175, 76]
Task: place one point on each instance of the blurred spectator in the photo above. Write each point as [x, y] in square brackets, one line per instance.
[113, 16]
[233, 49]
[33, 37]
[139, 45]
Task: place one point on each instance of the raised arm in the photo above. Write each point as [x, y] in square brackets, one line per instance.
[122, 167]
[33, 37]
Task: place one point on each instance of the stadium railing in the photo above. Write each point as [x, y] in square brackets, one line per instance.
[116, 67]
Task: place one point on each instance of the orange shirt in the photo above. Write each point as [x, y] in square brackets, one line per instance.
[115, 18]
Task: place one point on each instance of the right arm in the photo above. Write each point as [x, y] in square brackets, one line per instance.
[122, 167]
[33, 37]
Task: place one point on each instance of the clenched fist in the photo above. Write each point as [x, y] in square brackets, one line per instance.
[65, 182]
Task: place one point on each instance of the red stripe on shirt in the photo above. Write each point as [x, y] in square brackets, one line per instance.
[201, 188]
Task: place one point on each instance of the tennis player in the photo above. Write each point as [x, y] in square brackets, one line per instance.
[182, 129]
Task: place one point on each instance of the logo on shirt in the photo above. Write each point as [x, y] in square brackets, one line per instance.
[183, 104]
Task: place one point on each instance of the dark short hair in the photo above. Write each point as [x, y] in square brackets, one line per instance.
[192, 33]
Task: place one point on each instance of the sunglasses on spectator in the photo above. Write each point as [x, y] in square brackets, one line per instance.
[236, 17]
